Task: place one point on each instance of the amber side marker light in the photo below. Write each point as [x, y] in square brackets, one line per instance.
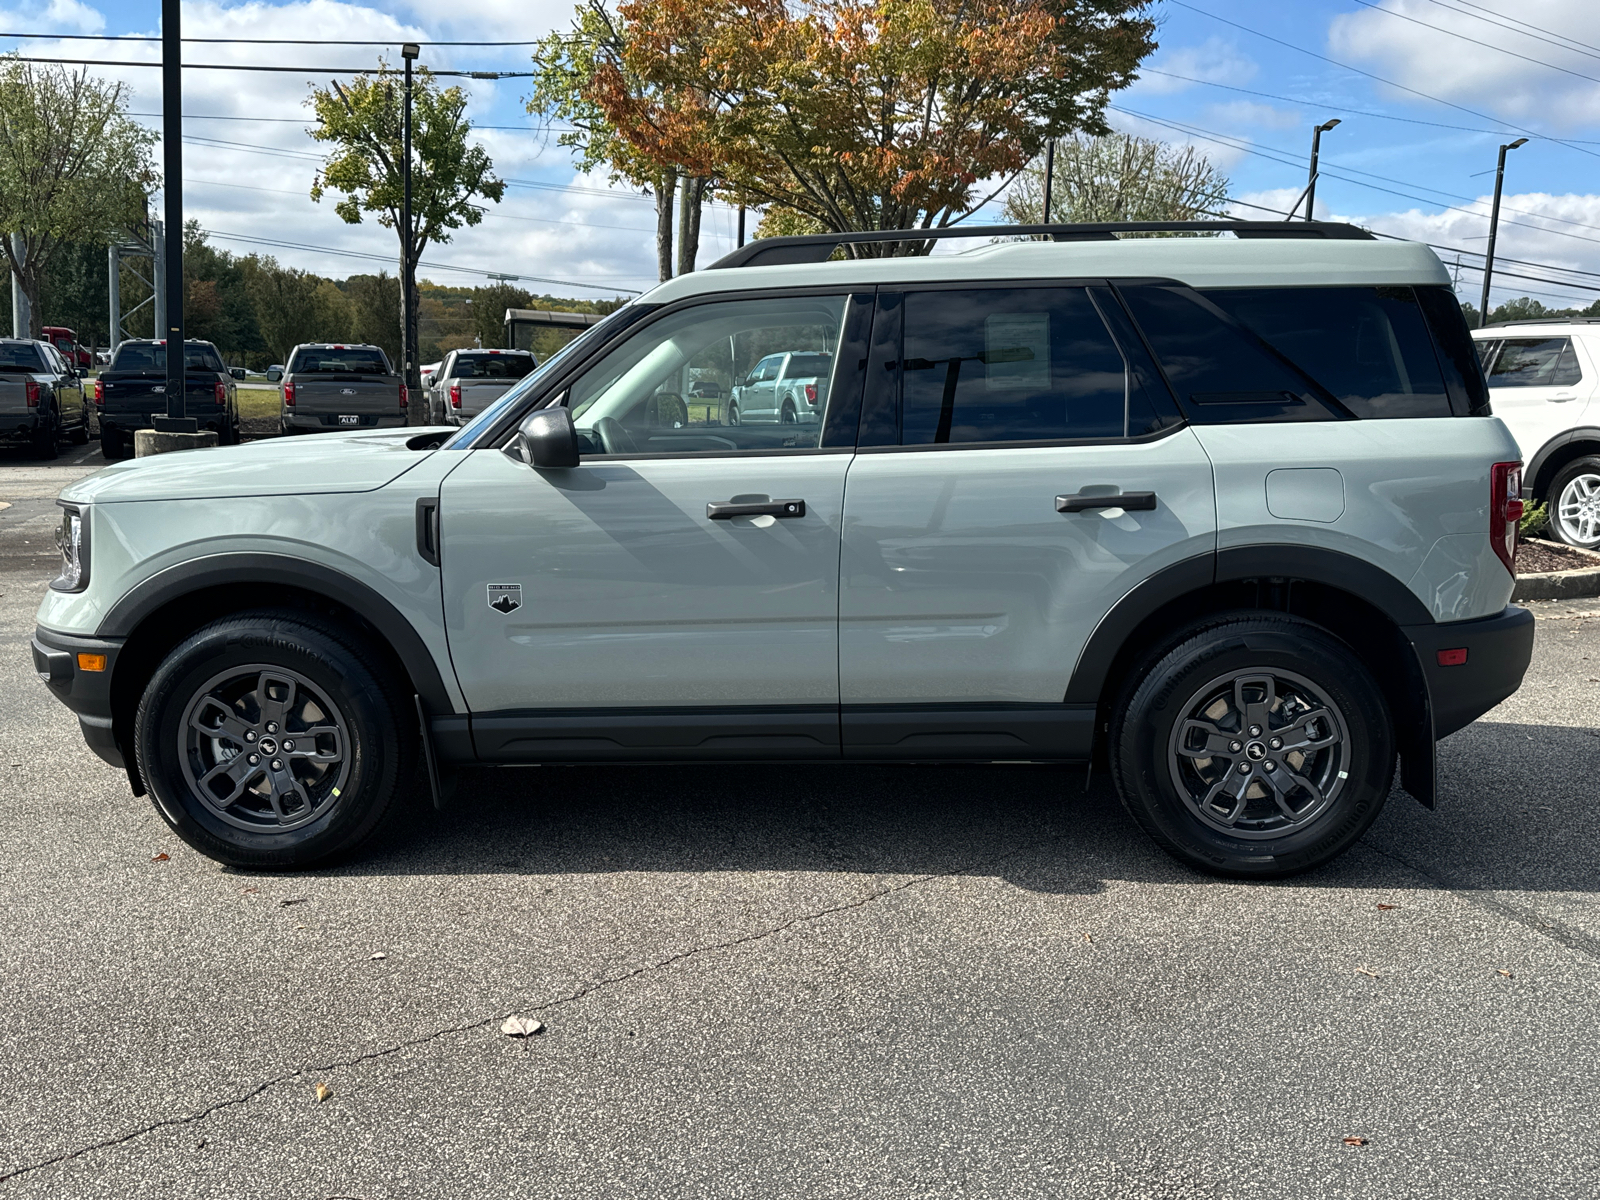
[1447, 658]
[91, 662]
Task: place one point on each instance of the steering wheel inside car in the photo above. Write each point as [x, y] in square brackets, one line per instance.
[614, 437]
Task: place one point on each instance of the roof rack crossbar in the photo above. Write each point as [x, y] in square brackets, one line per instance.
[819, 247]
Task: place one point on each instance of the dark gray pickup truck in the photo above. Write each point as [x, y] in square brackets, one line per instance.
[41, 397]
[134, 388]
[343, 386]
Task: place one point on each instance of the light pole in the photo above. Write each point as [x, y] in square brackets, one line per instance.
[176, 420]
[1316, 150]
[1049, 175]
[408, 268]
[1494, 225]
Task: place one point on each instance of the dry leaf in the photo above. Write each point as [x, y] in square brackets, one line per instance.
[379, 955]
[1387, 907]
[1363, 969]
[293, 900]
[521, 1027]
[1088, 938]
[247, 891]
[162, 857]
[1506, 973]
[324, 1092]
[1355, 1141]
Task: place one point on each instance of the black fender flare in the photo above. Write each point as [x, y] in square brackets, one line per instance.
[279, 570]
[1536, 465]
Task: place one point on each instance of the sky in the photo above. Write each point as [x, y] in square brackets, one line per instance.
[1425, 91]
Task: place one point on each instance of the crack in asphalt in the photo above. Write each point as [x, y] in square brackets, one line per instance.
[1572, 939]
[578, 994]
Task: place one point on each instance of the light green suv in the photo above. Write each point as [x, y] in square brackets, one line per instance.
[1230, 513]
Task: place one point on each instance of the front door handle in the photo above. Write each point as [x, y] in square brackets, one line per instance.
[1563, 397]
[729, 509]
[1132, 501]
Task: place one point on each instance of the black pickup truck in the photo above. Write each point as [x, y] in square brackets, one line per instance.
[134, 387]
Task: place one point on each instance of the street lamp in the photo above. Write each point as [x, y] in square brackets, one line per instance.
[1316, 149]
[1494, 225]
[176, 419]
[408, 280]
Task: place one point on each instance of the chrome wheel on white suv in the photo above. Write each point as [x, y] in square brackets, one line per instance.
[1575, 504]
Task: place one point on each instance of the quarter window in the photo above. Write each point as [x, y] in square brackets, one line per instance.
[1010, 365]
[1536, 362]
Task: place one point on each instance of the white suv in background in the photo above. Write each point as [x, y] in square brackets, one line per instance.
[1543, 377]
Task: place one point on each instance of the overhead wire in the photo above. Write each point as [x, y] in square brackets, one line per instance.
[1538, 62]
[193, 66]
[1576, 47]
[134, 37]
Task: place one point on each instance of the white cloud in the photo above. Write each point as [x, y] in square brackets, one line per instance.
[1426, 57]
[69, 14]
[1213, 61]
[1247, 112]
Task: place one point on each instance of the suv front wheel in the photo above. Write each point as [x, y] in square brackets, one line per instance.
[1257, 747]
[272, 740]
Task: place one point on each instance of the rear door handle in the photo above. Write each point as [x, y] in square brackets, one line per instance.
[727, 510]
[1132, 501]
[1563, 397]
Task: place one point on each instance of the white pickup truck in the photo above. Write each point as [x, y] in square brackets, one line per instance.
[790, 388]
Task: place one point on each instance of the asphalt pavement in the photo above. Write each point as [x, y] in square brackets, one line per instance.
[799, 981]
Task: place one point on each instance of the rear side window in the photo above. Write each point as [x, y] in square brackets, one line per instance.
[1368, 346]
[805, 366]
[146, 358]
[331, 360]
[1536, 362]
[1010, 365]
[492, 366]
[20, 357]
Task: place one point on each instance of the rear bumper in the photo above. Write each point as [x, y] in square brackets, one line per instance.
[209, 416]
[1497, 652]
[86, 693]
[19, 426]
[320, 422]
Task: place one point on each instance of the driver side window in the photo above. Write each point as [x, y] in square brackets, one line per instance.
[673, 388]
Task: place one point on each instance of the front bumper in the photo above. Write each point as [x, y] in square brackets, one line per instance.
[1497, 651]
[86, 693]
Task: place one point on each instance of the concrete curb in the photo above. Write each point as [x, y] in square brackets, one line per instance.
[1560, 585]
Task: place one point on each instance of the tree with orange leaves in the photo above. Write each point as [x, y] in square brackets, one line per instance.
[864, 114]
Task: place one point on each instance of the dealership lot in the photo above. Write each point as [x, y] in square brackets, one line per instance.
[818, 981]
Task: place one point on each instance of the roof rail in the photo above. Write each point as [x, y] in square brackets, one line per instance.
[1550, 320]
[819, 247]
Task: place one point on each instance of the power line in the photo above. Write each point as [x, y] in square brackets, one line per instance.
[1577, 47]
[189, 66]
[1530, 25]
[1389, 82]
[131, 37]
[1538, 62]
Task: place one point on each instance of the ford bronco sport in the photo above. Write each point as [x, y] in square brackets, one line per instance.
[1228, 512]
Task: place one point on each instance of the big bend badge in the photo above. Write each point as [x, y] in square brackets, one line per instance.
[505, 598]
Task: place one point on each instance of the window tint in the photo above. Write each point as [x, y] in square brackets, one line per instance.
[1536, 362]
[1369, 346]
[1008, 365]
[20, 356]
[804, 366]
[331, 360]
[649, 394]
[1221, 371]
[492, 366]
[147, 358]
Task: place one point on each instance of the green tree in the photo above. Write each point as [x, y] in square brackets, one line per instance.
[374, 305]
[1119, 178]
[362, 123]
[73, 166]
[217, 306]
[287, 304]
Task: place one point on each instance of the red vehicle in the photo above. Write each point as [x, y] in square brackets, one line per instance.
[66, 341]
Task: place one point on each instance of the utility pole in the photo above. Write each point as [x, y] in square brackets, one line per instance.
[1049, 175]
[408, 268]
[177, 419]
[741, 225]
[1494, 227]
[1316, 150]
[21, 318]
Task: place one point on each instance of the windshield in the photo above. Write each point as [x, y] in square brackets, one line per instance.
[595, 334]
[20, 356]
[340, 360]
[150, 358]
[490, 365]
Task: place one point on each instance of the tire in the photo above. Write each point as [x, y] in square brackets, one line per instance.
[733, 414]
[255, 678]
[46, 443]
[80, 435]
[111, 443]
[787, 416]
[1574, 504]
[1187, 697]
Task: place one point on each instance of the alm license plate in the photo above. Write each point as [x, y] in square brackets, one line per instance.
[349, 420]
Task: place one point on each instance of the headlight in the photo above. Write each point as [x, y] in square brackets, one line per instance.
[73, 541]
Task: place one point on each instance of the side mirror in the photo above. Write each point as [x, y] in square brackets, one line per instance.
[236, 372]
[82, 372]
[548, 439]
[274, 375]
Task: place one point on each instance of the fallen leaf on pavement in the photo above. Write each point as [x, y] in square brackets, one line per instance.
[521, 1027]
[1088, 938]
[1387, 907]
[1355, 1141]
[1506, 973]
[324, 1092]
[247, 891]
[162, 857]
[1363, 969]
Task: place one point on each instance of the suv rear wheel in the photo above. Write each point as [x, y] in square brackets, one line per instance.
[1575, 504]
[272, 740]
[1257, 746]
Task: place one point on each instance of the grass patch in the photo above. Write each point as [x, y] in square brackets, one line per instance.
[259, 404]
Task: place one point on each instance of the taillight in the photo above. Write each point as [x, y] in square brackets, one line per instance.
[455, 395]
[100, 392]
[1505, 510]
[33, 394]
[222, 393]
[811, 393]
[288, 395]
[405, 396]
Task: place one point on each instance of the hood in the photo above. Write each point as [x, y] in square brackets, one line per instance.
[353, 461]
